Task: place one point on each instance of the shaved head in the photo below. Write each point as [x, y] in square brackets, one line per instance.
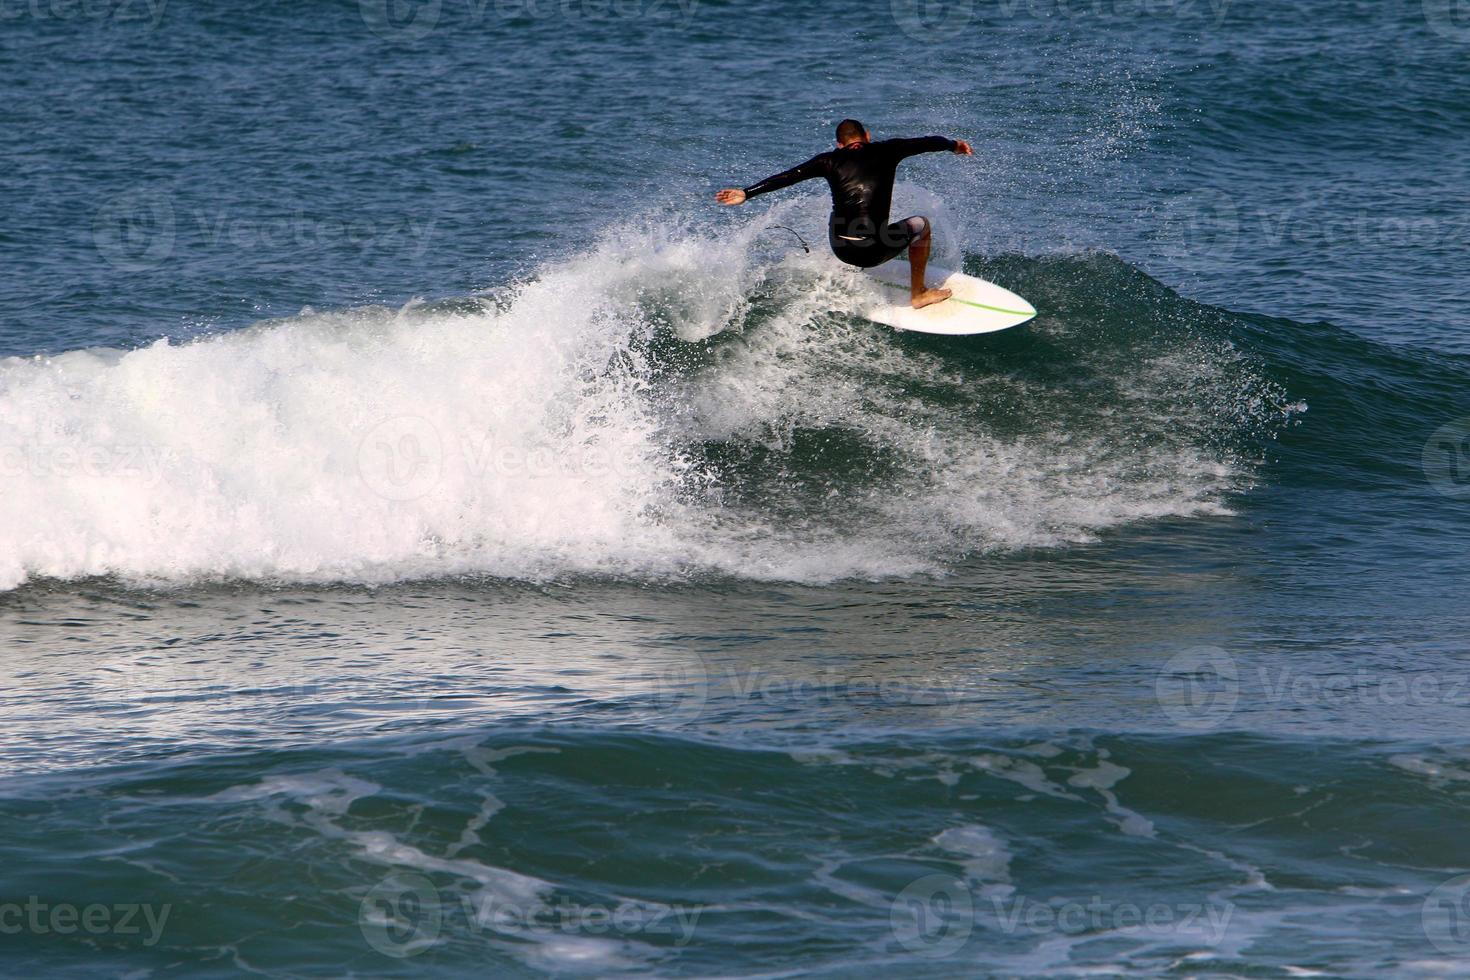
[849, 130]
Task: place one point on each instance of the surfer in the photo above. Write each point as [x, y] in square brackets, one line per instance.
[860, 173]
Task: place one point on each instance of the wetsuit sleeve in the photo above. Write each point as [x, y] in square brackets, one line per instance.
[923, 144]
[815, 167]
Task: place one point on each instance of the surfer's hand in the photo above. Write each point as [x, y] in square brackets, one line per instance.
[731, 195]
[963, 148]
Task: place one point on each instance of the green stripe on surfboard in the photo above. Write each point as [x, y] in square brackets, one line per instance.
[956, 299]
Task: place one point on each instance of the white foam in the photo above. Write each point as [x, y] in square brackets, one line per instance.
[986, 857]
[1101, 779]
[328, 795]
[1436, 771]
[1028, 774]
[535, 438]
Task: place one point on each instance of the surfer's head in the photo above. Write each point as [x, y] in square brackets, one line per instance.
[850, 132]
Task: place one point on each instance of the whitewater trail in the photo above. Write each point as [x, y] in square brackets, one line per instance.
[648, 408]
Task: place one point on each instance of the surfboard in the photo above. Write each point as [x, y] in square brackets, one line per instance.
[977, 306]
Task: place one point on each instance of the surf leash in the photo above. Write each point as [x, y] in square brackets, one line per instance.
[793, 231]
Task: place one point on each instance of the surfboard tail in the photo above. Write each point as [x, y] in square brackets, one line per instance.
[975, 306]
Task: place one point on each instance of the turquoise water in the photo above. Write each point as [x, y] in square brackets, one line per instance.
[436, 540]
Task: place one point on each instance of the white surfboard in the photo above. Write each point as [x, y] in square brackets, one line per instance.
[977, 306]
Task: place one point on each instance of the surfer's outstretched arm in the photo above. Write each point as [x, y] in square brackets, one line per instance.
[927, 144]
[815, 167]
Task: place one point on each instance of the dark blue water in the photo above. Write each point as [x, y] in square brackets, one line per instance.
[437, 540]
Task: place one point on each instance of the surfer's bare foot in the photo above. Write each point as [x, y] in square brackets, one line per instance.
[929, 297]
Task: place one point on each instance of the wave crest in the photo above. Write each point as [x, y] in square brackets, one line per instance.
[661, 405]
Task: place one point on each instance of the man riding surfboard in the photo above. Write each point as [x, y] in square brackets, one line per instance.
[860, 173]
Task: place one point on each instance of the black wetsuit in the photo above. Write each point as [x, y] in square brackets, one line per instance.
[861, 178]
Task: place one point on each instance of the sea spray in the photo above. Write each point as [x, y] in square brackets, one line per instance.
[664, 404]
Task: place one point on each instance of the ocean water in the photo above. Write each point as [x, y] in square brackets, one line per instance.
[436, 540]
